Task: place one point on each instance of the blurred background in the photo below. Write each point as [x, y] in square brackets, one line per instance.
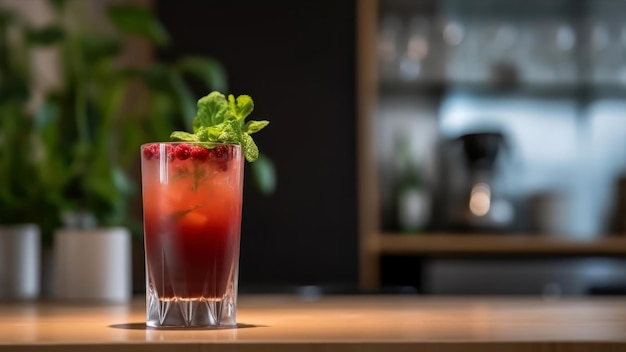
[500, 125]
[419, 146]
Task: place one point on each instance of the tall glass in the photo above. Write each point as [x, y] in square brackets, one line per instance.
[192, 198]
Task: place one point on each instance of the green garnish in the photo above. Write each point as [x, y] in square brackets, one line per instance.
[181, 213]
[222, 121]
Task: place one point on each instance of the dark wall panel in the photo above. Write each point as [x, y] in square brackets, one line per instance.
[297, 60]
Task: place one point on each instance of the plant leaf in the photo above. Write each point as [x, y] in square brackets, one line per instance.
[161, 106]
[209, 134]
[250, 149]
[209, 71]
[230, 132]
[253, 126]
[212, 110]
[185, 101]
[184, 136]
[240, 108]
[46, 35]
[156, 77]
[221, 120]
[58, 4]
[7, 17]
[131, 136]
[264, 174]
[96, 47]
[139, 21]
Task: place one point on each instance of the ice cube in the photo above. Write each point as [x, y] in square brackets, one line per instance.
[194, 219]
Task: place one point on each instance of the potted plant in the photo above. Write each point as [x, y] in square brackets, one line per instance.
[19, 232]
[90, 128]
[25, 208]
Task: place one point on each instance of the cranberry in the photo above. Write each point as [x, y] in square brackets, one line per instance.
[222, 165]
[221, 155]
[221, 152]
[199, 154]
[170, 151]
[183, 151]
[151, 151]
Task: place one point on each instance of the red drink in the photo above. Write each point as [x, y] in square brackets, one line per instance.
[192, 198]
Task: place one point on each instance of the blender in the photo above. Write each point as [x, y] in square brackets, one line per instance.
[478, 205]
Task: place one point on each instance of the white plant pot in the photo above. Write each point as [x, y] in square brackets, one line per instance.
[20, 253]
[93, 264]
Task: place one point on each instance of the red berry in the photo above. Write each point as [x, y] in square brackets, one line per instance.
[147, 153]
[222, 165]
[151, 151]
[221, 152]
[170, 151]
[199, 154]
[183, 151]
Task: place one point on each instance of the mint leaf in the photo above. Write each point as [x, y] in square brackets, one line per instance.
[179, 214]
[250, 150]
[221, 120]
[184, 136]
[228, 135]
[212, 110]
[207, 134]
[240, 108]
[212, 133]
[254, 126]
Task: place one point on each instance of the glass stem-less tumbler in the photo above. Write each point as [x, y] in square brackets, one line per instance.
[192, 201]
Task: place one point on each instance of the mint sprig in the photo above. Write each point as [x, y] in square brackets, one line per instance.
[221, 120]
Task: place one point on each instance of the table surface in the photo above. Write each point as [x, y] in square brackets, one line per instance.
[330, 323]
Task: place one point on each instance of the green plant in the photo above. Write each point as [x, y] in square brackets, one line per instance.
[87, 131]
[23, 199]
[90, 128]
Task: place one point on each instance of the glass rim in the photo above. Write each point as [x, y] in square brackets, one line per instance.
[191, 143]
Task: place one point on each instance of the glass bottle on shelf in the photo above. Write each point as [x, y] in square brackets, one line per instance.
[411, 200]
[389, 38]
[416, 51]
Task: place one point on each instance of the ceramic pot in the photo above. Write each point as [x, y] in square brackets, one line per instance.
[93, 264]
[20, 254]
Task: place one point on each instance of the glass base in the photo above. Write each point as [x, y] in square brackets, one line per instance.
[190, 312]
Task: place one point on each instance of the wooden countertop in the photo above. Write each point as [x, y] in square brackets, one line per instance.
[334, 323]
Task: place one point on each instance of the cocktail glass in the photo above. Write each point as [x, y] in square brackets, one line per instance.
[192, 199]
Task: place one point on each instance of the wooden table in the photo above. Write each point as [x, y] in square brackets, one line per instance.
[335, 323]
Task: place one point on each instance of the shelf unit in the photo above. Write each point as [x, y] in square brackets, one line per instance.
[513, 244]
[437, 89]
[373, 242]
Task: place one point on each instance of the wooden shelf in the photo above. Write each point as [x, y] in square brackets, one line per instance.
[438, 88]
[371, 89]
[390, 243]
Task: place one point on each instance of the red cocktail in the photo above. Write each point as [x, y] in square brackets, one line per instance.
[192, 200]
